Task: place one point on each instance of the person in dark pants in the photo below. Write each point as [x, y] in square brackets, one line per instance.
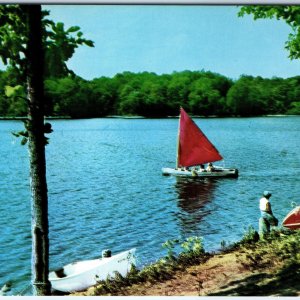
[267, 218]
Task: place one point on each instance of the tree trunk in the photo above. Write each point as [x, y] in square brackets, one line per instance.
[36, 138]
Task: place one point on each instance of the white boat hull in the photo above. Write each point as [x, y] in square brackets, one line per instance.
[81, 275]
[218, 172]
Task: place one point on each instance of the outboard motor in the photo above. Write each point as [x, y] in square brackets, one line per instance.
[106, 253]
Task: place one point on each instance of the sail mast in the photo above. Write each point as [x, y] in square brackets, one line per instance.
[178, 141]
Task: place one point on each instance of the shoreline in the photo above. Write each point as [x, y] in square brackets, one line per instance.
[142, 117]
[251, 267]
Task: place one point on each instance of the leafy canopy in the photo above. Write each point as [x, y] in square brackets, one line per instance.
[290, 14]
[59, 43]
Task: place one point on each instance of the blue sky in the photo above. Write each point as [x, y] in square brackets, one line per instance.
[164, 38]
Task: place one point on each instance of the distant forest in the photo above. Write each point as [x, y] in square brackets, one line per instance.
[151, 95]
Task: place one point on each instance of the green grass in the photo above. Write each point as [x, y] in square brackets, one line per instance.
[192, 253]
[279, 250]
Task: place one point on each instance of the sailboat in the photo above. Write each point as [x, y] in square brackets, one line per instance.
[194, 150]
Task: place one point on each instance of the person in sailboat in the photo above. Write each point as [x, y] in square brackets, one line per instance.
[210, 168]
[267, 218]
[194, 172]
[202, 168]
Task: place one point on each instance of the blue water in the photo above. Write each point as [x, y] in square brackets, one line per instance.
[106, 189]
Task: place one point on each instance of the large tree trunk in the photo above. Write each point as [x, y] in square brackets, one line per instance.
[35, 128]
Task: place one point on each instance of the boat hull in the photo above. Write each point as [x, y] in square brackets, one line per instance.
[219, 172]
[81, 275]
[292, 220]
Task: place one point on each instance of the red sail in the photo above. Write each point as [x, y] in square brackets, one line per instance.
[194, 147]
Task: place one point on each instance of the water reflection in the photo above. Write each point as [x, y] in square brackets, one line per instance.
[193, 194]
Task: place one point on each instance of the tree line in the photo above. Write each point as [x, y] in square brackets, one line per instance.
[151, 95]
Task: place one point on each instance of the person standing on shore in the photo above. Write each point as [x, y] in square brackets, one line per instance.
[267, 218]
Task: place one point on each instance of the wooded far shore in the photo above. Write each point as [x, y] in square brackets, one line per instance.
[200, 93]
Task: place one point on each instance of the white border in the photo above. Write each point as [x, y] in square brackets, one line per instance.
[157, 2]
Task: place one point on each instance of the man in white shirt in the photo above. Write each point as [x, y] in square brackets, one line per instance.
[267, 218]
[264, 203]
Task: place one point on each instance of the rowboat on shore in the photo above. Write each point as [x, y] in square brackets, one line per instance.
[193, 151]
[79, 276]
[292, 219]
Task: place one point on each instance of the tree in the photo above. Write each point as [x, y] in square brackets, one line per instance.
[290, 14]
[15, 104]
[178, 90]
[35, 127]
[204, 97]
[244, 98]
[21, 46]
[26, 39]
[154, 96]
[60, 45]
[294, 95]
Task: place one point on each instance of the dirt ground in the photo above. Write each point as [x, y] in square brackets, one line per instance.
[227, 274]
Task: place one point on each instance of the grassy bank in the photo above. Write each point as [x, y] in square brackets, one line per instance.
[252, 267]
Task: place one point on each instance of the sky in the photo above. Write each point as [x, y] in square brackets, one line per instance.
[167, 38]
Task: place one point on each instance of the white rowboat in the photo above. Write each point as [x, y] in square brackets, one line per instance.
[79, 276]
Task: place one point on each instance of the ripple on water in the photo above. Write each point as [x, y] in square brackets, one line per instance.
[106, 189]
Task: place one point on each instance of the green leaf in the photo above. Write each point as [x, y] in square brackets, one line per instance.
[12, 90]
[89, 43]
[47, 128]
[24, 141]
[9, 91]
[60, 26]
[16, 134]
[73, 29]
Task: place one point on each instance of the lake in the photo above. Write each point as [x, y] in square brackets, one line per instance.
[106, 190]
